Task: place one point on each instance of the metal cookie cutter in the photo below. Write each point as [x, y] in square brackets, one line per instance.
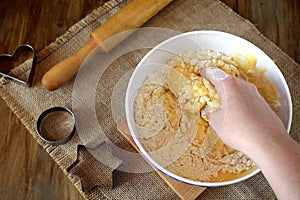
[21, 50]
[86, 167]
[44, 115]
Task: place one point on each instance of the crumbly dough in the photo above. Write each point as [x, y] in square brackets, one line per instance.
[172, 122]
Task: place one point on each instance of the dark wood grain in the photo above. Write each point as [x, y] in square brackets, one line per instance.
[26, 170]
[278, 20]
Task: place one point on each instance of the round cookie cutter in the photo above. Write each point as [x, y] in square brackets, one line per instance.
[47, 113]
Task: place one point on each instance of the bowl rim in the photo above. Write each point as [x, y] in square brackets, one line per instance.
[148, 157]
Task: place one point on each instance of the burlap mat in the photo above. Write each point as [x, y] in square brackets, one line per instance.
[182, 16]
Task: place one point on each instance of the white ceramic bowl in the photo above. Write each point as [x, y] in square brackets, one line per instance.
[197, 40]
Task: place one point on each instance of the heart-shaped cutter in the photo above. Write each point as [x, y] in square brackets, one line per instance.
[14, 57]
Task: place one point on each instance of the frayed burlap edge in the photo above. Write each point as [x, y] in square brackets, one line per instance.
[76, 28]
[69, 34]
[16, 108]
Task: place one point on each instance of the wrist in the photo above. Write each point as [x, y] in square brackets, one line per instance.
[265, 145]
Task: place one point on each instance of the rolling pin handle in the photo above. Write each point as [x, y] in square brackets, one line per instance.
[132, 16]
[62, 72]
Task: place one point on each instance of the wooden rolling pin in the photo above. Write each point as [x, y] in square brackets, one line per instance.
[132, 16]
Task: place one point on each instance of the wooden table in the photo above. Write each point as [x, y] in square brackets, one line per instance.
[26, 170]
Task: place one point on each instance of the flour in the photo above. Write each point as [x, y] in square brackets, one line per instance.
[170, 113]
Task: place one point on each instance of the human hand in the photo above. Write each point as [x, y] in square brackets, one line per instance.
[245, 116]
[248, 124]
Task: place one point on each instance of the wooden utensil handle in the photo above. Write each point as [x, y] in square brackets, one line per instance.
[65, 70]
[132, 16]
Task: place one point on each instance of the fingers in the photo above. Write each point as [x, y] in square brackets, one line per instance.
[214, 75]
[217, 120]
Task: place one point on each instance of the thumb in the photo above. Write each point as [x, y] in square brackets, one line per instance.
[216, 116]
[216, 120]
[215, 76]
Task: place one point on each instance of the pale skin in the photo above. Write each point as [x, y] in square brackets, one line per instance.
[247, 123]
